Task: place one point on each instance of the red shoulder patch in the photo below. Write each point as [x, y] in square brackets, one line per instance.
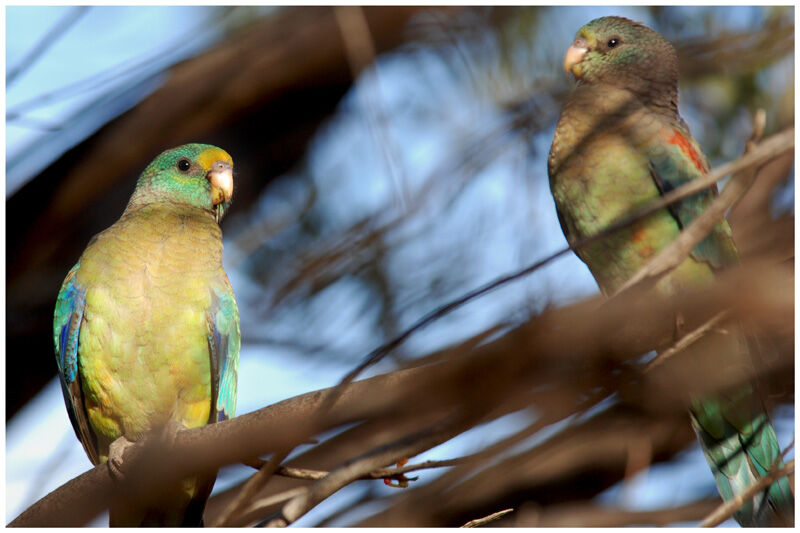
[679, 140]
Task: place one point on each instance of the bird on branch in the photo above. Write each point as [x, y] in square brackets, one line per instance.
[619, 144]
[146, 326]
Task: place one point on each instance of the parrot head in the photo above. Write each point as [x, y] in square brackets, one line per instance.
[200, 175]
[625, 53]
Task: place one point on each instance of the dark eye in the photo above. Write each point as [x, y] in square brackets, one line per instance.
[184, 165]
[613, 42]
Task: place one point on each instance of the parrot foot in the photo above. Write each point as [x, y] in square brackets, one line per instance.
[115, 452]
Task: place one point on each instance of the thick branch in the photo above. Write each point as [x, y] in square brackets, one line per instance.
[596, 516]
[553, 348]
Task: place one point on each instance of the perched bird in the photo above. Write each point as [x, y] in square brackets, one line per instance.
[146, 326]
[618, 145]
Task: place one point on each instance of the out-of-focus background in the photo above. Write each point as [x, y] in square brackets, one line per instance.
[388, 160]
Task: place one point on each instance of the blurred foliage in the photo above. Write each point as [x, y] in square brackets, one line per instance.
[379, 227]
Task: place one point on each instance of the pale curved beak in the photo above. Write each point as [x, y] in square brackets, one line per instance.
[221, 179]
[575, 54]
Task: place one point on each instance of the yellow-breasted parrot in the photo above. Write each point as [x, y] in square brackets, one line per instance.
[619, 144]
[146, 326]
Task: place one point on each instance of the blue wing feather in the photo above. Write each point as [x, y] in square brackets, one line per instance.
[66, 334]
[225, 342]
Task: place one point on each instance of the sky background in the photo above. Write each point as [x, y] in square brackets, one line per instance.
[429, 111]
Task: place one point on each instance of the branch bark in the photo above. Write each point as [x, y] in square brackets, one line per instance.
[551, 349]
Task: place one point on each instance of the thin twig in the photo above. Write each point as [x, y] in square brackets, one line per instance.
[774, 145]
[758, 291]
[122, 69]
[726, 510]
[360, 52]
[314, 475]
[269, 501]
[486, 519]
[251, 488]
[473, 461]
[54, 34]
[686, 341]
[381, 473]
[407, 446]
[674, 254]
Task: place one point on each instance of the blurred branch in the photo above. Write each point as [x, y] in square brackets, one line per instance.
[736, 53]
[351, 471]
[360, 50]
[380, 473]
[763, 152]
[354, 247]
[115, 73]
[591, 515]
[674, 254]
[486, 519]
[726, 510]
[503, 375]
[252, 486]
[64, 24]
[268, 57]
[686, 341]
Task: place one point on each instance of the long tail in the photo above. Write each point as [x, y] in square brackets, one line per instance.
[740, 445]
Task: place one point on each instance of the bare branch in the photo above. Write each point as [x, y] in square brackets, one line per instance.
[406, 447]
[583, 515]
[770, 148]
[486, 519]
[686, 341]
[381, 473]
[674, 254]
[503, 375]
[726, 510]
[64, 24]
[253, 485]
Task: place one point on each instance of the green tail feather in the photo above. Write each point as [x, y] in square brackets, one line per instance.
[740, 445]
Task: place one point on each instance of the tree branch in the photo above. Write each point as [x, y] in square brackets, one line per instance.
[675, 253]
[550, 349]
[349, 472]
[726, 510]
[768, 149]
[486, 519]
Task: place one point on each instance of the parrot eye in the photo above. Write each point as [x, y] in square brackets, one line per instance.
[614, 41]
[184, 165]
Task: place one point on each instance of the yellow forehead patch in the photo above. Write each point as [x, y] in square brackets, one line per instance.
[209, 156]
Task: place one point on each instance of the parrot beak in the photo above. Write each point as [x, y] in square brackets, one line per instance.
[575, 54]
[221, 179]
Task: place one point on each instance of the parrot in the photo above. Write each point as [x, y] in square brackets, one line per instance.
[146, 325]
[618, 145]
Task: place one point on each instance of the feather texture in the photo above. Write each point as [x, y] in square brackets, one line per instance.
[620, 144]
[146, 326]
